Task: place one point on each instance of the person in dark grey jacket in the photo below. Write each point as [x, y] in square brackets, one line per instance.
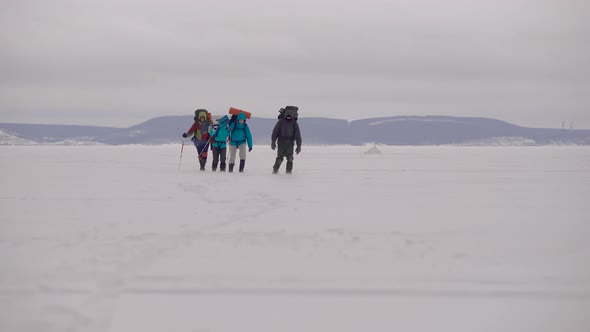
[286, 133]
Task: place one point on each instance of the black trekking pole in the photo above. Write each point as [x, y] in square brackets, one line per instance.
[181, 149]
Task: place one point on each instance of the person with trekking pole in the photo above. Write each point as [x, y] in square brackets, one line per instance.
[200, 135]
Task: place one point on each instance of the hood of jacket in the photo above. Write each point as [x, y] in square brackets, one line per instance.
[241, 116]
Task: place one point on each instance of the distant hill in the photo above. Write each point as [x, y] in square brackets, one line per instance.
[396, 130]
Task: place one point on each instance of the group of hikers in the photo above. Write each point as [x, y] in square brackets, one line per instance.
[234, 132]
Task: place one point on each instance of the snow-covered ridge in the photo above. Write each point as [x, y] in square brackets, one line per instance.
[7, 139]
[502, 141]
[395, 130]
[381, 122]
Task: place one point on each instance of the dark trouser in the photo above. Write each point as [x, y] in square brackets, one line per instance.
[202, 153]
[284, 150]
[217, 153]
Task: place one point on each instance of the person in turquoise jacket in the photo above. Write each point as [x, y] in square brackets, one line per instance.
[240, 135]
[219, 133]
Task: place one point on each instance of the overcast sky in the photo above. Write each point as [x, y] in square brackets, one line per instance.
[119, 63]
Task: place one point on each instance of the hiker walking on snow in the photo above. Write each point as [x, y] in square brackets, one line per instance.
[286, 133]
[219, 135]
[240, 136]
[200, 135]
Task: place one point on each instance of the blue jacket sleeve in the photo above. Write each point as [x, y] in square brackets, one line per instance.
[249, 137]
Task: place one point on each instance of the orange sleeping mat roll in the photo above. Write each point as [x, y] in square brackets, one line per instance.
[236, 111]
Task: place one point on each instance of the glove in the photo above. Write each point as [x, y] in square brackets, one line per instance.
[298, 149]
[250, 149]
[184, 135]
[273, 145]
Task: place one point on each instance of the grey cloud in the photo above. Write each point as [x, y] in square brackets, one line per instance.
[140, 57]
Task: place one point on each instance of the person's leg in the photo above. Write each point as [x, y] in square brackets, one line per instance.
[202, 156]
[277, 165]
[215, 159]
[280, 156]
[232, 157]
[289, 155]
[199, 150]
[222, 153]
[232, 154]
[243, 151]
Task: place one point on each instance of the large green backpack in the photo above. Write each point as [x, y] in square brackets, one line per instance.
[208, 121]
[203, 112]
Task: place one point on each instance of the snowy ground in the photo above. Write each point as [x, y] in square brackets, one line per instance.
[412, 239]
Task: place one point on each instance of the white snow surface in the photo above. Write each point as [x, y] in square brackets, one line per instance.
[101, 238]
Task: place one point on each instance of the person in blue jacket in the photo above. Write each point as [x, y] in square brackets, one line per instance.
[219, 133]
[240, 136]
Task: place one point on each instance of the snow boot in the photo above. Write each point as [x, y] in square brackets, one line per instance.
[242, 164]
[222, 166]
[289, 167]
[202, 162]
[231, 168]
[214, 167]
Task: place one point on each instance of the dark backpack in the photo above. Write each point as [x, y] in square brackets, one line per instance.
[292, 110]
[234, 118]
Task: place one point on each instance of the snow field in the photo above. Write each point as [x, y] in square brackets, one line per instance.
[454, 238]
